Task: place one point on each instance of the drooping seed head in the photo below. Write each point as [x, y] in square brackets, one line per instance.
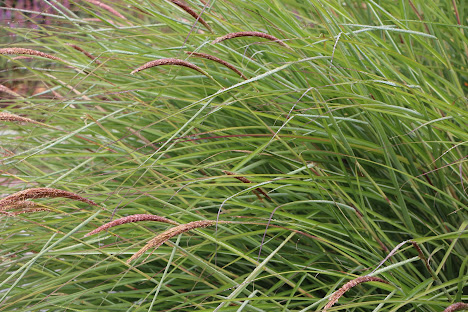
[340, 292]
[9, 91]
[23, 204]
[29, 52]
[174, 231]
[189, 10]
[107, 8]
[459, 306]
[129, 219]
[42, 192]
[13, 117]
[250, 34]
[218, 60]
[169, 61]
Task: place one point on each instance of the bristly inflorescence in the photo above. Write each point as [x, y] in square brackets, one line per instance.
[459, 306]
[169, 61]
[42, 192]
[174, 231]
[9, 51]
[340, 292]
[190, 11]
[218, 60]
[130, 219]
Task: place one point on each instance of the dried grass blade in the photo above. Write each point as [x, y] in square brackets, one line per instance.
[174, 231]
[340, 292]
[189, 10]
[30, 52]
[89, 55]
[218, 60]
[459, 306]
[129, 219]
[250, 34]
[245, 180]
[42, 192]
[169, 61]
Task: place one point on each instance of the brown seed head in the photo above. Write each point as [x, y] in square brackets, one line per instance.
[129, 219]
[250, 34]
[169, 61]
[340, 292]
[106, 7]
[28, 210]
[42, 192]
[218, 60]
[459, 306]
[24, 204]
[9, 91]
[29, 52]
[174, 231]
[189, 10]
[13, 117]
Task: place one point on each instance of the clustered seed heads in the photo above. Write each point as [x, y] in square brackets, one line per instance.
[218, 60]
[29, 52]
[340, 292]
[42, 192]
[250, 34]
[129, 219]
[189, 10]
[169, 61]
[459, 306]
[174, 231]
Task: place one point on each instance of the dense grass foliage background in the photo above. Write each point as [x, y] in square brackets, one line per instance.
[357, 133]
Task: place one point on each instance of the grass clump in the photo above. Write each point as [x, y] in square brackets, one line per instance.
[341, 149]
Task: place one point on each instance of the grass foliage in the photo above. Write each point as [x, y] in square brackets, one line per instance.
[347, 140]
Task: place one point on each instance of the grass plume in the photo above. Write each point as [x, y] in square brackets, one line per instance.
[459, 306]
[174, 231]
[129, 219]
[218, 60]
[10, 51]
[250, 34]
[22, 204]
[170, 61]
[13, 117]
[9, 91]
[190, 11]
[23, 211]
[42, 192]
[340, 292]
